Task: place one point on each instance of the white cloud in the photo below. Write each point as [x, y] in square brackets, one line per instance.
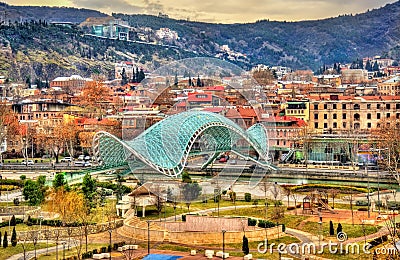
[228, 11]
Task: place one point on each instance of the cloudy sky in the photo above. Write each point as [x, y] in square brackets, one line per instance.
[227, 11]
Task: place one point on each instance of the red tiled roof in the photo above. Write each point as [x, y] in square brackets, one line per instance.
[213, 109]
[215, 88]
[202, 97]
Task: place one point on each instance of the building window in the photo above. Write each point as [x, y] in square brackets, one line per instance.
[315, 106]
[344, 116]
[334, 106]
[387, 106]
[357, 117]
[334, 116]
[398, 115]
[325, 106]
[343, 106]
[316, 125]
[369, 125]
[334, 125]
[368, 106]
[378, 106]
[378, 125]
[369, 116]
[397, 106]
[344, 125]
[325, 116]
[315, 116]
[387, 115]
[356, 106]
[325, 125]
[378, 115]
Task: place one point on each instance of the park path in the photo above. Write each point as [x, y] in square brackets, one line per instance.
[31, 254]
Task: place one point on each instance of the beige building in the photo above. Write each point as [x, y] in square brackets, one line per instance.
[390, 87]
[347, 114]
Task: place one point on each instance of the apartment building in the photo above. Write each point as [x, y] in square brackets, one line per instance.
[348, 114]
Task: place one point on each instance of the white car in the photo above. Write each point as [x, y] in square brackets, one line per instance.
[29, 162]
[66, 159]
[82, 163]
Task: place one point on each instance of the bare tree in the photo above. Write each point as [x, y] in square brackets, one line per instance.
[287, 191]
[334, 193]
[388, 142]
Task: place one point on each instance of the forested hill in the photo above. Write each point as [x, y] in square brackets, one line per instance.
[305, 44]
[41, 50]
[49, 14]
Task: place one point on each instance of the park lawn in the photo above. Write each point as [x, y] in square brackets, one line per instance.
[10, 250]
[22, 227]
[349, 229]
[71, 252]
[181, 208]
[290, 221]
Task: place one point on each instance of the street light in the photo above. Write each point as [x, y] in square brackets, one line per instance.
[148, 237]
[223, 243]
[110, 232]
[368, 196]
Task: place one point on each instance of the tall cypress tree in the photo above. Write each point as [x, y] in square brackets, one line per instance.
[245, 246]
[14, 238]
[5, 241]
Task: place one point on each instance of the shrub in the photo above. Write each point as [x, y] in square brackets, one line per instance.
[339, 228]
[247, 197]
[13, 222]
[283, 228]
[265, 224]
[291, 208]
[298, 205]
[109, 248]
[103, 249]
[255, 202]
[363, 209]
[94, 251]
[251, 221]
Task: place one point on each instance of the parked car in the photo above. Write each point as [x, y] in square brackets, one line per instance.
[232, 162]
[81, 157]
[29, 162]
[66, 159]
[82, 163]
[223, 159]
[87, 158]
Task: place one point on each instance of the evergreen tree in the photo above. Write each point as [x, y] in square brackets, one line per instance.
[13, 222]
[124, 77]
[89, 189]
[368, 65]
[339, 228]
[59, 181]
[190, 81]
[176, 79]
[360, 64]
[331, 228]
[198, 83]
[14, 238]
[142, 76]
[5, 241]
[376, 66]
[245, 246]
[137, 75]
[0, 238]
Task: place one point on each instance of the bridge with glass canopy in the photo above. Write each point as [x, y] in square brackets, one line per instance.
[167, 145]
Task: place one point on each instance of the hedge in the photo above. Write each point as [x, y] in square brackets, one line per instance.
[266, 224]
[251, 221]
[342, 188]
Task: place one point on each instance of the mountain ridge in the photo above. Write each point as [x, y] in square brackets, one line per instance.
[300, 44]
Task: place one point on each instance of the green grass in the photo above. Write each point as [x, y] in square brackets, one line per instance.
[350, 230]
[291, 221]
[10, 251]
[71, 252]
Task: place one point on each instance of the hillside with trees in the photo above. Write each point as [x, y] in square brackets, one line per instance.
[31, 46]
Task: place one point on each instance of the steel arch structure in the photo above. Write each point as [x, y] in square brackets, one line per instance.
[166, 145]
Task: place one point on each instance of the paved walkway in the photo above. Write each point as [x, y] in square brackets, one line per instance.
[31, 254]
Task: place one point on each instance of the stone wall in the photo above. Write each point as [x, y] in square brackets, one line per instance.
[180, 231]
[207, 224]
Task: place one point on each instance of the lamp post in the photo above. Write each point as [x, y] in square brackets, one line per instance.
[148, 237]
[63, 250]
[368, 195]
[110, 232]
[223, 243]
